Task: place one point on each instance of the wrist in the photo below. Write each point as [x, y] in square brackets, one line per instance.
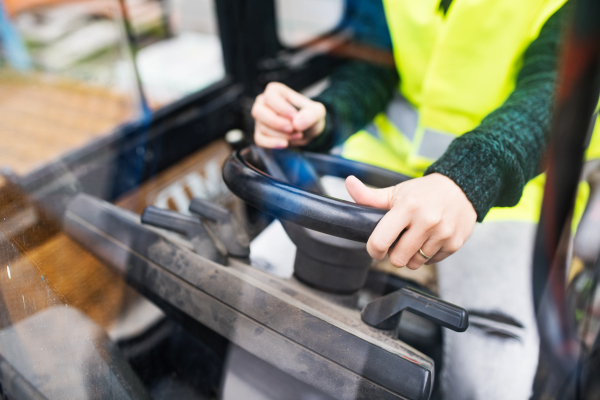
[473, 171]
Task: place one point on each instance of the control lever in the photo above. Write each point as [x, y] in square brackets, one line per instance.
[385, 312]
[229, 229]
[205, 242]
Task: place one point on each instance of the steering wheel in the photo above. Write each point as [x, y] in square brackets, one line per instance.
[293, 193]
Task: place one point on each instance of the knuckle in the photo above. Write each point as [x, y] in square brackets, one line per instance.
[258, 140]
[431, 219]
[445, 231]
[320, 108]
[269, 95]
[397, 260]
[453, 245]
[414, 265]
[375, 255]
[379, 246]
[410, 203]
[274, 87]
[278, 124]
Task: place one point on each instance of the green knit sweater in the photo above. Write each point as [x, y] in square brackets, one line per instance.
[491, 163]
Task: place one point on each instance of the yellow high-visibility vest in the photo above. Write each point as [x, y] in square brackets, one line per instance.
[454, 70]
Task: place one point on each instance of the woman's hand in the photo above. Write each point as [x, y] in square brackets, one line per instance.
[285, 117]
[435, 212]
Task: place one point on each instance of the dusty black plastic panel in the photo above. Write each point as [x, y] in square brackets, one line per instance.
[247, 308]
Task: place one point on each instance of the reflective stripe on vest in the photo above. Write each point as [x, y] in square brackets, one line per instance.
[454, 70]
[405, 119]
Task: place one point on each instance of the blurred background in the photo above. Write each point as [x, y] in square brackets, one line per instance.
[139, 102]
[127, 100]
[72, 71]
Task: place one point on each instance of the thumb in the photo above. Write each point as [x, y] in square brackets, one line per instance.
[379, 198]
[308, 116]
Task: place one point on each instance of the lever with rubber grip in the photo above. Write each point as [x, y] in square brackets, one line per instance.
[228, 228]
[385, 312]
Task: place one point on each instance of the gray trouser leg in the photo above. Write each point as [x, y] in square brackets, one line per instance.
[490, 276]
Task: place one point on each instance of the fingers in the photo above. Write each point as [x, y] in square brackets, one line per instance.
[271, 142]
[379, 198]
[264, 129]
[449, 247]
[278, 97]
[430, 248]
[268, 117]
[408, 246]
[390, 226]
[298, 100]
[438, 225]
[285, 117]
[386, 232]
[310, 114]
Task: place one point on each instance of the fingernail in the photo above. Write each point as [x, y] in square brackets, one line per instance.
[288, 128]
[298, 135]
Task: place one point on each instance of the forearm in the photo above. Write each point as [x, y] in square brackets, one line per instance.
[493, 162]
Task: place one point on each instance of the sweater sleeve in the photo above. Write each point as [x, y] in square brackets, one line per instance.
[493, 162]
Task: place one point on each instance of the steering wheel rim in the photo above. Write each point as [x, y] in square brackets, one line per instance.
[311, 210]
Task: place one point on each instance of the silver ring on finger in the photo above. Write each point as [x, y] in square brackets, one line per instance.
[424, 255]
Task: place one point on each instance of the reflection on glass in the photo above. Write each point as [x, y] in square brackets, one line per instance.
[79, 83]
[67, 74]
[188, 56]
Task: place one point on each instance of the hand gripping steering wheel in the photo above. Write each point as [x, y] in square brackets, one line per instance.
[293, 193]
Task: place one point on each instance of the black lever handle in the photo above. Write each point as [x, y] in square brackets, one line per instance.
[210, 211]
[205, 242]
[229, 229]
[385, 312]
